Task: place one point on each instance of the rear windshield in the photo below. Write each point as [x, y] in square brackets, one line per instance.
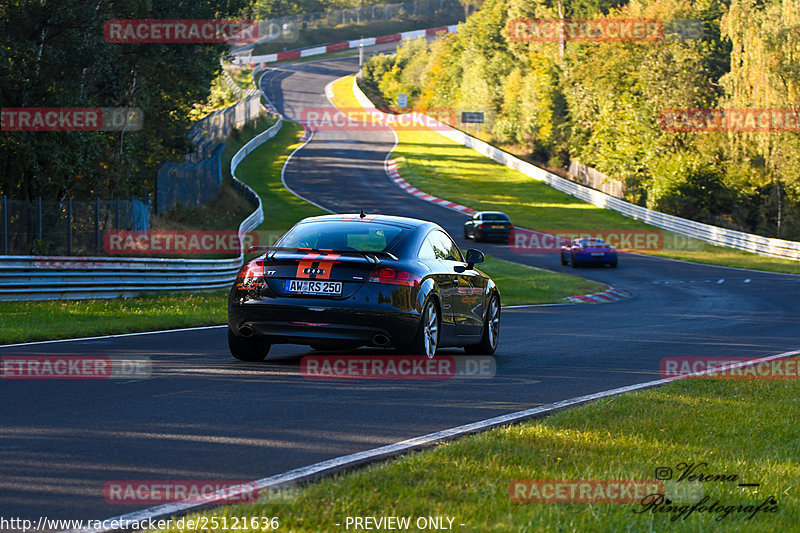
[593, 242]
[343, 235]
[494, 216]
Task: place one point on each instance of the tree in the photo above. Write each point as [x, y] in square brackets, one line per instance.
[55, 56]
[765, 74]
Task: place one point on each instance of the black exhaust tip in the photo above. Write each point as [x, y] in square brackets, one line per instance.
[246, 331]
[380, 340]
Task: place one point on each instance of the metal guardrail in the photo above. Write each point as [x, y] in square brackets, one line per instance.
[705, 232]
[49, 278]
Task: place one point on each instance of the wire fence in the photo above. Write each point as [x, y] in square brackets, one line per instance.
[72, 227]
[197, 180]
[66, 227]
[591, 177]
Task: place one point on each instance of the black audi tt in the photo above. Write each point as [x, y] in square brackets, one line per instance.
[345, 281]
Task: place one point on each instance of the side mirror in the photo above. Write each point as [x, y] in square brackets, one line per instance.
[474, 256]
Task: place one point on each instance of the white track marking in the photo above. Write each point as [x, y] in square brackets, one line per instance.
[315, 471]
[114, 336]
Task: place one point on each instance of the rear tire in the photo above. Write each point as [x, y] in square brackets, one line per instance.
[491, 330]
[574, 263]
[251, 350]
[613, 265]
[427, 340]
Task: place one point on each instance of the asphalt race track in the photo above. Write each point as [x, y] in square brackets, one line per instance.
[206, 416]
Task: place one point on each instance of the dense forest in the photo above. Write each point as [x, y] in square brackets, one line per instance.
[603, 102]
[54, 55]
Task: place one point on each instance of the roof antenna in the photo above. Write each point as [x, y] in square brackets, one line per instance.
[362, 215]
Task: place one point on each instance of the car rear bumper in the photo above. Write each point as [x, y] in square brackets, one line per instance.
[588, 258]
[280, 323]
[489, 234]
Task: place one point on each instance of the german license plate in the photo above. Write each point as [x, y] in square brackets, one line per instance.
[598, 254]
[311, 286]
[497, 227]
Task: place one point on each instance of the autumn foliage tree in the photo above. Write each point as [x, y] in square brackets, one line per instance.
[602, 102]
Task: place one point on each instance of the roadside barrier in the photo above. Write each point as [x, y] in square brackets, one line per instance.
[705, 232]
[50, 278]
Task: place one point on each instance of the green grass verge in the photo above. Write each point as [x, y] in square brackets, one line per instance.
[740, 428]
[520, 284]
[65, 319]
[445, 169]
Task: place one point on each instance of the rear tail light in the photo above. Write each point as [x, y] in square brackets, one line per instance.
[510, 225]
[250, 275]
[483, 225]
[393, 276]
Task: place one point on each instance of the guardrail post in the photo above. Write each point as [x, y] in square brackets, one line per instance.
[4, 202]
[69, 226]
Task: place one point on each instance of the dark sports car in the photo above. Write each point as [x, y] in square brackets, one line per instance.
[488, 225]
[588, 252]
[344, 281]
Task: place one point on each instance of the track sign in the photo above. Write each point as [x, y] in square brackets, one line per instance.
[402, 100]
[472, 117]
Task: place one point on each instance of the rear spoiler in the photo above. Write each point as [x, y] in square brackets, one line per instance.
[369, 256]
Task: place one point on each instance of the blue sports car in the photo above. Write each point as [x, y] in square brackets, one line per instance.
[588, 252]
